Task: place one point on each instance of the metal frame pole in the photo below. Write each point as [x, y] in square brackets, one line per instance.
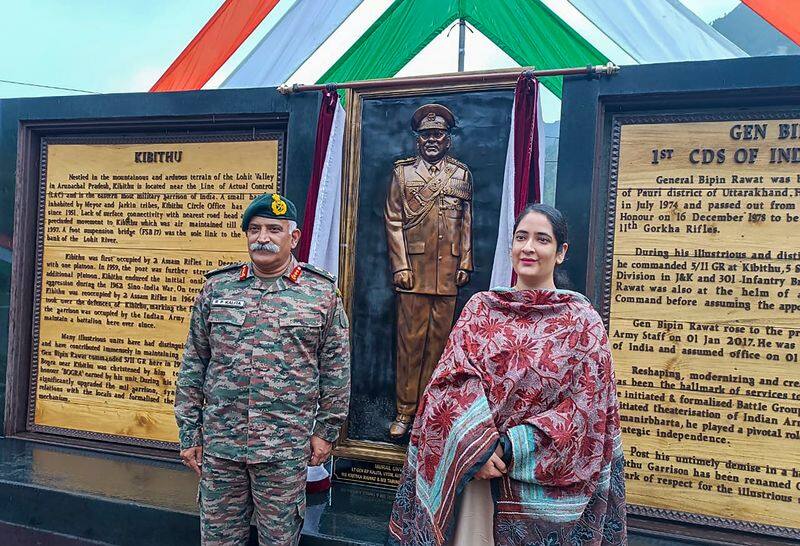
[462, 35]
[503, 76]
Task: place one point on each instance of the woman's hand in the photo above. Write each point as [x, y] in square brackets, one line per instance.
[494, 467]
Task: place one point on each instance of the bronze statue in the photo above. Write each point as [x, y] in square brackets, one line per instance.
[428, 219]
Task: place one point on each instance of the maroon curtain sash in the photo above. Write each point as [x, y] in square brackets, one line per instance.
[526, 144]
[324, 126]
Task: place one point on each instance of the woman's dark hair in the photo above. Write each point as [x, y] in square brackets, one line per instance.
[560, 231]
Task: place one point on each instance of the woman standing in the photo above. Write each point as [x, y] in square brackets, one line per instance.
[523, 399]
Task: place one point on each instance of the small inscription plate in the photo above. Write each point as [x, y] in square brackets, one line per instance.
[367, 473]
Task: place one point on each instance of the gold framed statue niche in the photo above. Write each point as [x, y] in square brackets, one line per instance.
[383, 124]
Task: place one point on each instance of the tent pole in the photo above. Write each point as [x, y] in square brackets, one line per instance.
[502, 77]
[462, 34]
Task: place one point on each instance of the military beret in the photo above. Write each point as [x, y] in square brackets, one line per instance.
[269, 205]
[432, 116]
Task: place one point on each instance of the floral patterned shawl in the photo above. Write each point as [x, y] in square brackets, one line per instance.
[534, 366]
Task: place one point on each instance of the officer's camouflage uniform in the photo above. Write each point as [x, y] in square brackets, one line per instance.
[265, 366]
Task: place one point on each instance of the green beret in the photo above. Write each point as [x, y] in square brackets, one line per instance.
[269, 205]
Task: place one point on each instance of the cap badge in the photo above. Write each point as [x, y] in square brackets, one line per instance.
[278, 205]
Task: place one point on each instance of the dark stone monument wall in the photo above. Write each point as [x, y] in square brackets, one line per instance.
[61, 495]
[586, 191]
[297, 114]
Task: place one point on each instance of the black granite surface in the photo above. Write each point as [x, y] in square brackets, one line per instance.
[73, 496]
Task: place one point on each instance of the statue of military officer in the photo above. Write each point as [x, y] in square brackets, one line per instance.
[265, 382]
[428, 218]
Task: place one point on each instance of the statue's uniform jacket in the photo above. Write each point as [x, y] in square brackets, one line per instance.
[429, 223]
[428, 219]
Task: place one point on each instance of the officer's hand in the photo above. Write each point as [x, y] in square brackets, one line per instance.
[193, 458]
[320, 450]
[404, 279]
[462, 277]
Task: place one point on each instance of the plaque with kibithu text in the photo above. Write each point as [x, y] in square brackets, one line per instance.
[703, 301]
[127, 227]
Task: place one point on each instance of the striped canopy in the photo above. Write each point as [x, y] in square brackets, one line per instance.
[386, 34]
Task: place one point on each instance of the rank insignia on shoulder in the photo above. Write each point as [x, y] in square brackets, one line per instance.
[457, 163]
[295, 274]
[244, 272]
[222, 302]
[406, 160]
[223, 269]
[319, 271]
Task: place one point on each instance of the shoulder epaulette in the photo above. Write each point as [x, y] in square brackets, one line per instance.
[457, 163]
[319, 271]
[406, 161]
[222, 269]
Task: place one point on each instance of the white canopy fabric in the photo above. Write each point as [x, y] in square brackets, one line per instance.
[324, 251]
[626, 31]
[501, 265]
[292, 40]
[656, 31]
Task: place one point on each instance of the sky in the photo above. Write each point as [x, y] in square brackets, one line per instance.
[111, 46]
[95, 45]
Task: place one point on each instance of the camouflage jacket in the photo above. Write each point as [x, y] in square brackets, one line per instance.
[265, 366]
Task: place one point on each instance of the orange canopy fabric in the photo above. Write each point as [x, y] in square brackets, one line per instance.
[784, 15]
[233, 22]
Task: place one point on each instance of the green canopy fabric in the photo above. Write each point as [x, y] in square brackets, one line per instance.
[526, 30]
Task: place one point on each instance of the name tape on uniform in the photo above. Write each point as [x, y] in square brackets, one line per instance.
[227, 303]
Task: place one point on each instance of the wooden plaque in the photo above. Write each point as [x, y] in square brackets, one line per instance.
[702, 298]
[126, 228]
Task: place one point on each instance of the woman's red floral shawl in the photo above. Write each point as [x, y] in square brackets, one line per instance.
[533, 365]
